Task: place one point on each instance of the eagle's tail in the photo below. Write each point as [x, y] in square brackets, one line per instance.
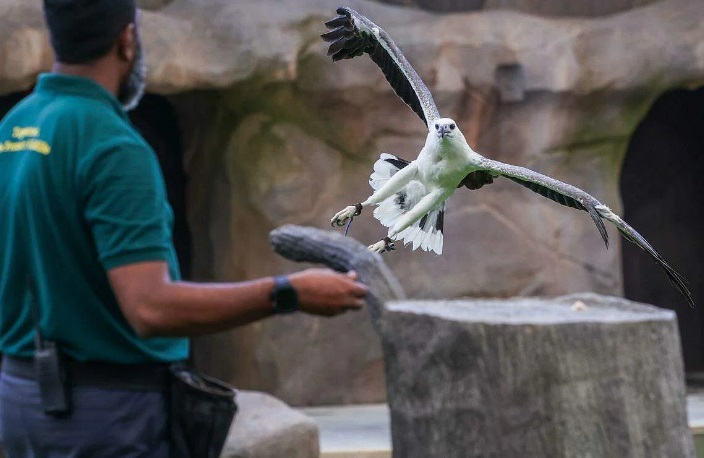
[426, 233]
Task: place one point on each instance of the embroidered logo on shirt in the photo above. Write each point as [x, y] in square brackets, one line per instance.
[25, 139]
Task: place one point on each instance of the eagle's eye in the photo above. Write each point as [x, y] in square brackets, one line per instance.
[452, 127]
[437, 126]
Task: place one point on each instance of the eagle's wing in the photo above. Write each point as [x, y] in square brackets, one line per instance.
[574, 197]
[352, 34]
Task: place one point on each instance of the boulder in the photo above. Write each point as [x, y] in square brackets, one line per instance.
[265, 427]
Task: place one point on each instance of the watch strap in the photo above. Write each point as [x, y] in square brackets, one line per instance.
[284, 296]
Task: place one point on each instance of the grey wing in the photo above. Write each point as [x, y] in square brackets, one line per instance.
[352, 35]
[574, 197]
[551, 188]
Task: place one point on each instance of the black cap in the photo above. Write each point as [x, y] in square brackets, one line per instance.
[84, 30]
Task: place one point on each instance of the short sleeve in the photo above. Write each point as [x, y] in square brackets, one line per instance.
[124, 205]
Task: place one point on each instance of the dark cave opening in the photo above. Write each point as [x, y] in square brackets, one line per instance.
[663, 198]
[156, 119]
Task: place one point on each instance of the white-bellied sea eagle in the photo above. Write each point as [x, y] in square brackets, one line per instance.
[410, 196]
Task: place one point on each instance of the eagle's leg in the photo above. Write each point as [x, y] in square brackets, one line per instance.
[391, 187]
[383, 245]
[425, 205]
[341, 217]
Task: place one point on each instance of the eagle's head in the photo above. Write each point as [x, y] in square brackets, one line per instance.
[444, 128]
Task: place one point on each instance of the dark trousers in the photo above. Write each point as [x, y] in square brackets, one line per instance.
[104, 423]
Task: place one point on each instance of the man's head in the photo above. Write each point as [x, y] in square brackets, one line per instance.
[84, 32]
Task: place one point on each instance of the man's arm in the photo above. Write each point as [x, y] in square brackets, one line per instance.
[156, 306]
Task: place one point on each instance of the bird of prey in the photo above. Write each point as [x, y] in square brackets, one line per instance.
[410, 196]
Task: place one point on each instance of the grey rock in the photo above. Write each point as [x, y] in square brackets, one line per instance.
[200, 44]
[541, 7]
[575, 376]
[152, 4]
[267, 428]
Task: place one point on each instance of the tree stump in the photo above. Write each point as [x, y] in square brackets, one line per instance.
[575, 376]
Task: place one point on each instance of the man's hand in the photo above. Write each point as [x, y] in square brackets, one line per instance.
[326, 292]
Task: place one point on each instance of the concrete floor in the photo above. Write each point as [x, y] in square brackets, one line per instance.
[362, 431]
[695, 413]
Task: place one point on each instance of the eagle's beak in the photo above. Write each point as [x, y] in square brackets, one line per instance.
[444, 130]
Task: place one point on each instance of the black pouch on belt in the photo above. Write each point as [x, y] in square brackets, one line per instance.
[202, 409]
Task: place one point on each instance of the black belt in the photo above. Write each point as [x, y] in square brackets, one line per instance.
[140, 377]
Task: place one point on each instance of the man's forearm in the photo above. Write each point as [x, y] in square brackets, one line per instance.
[187, 309]
[156, 306]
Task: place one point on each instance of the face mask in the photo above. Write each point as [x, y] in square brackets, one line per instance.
[132, 87]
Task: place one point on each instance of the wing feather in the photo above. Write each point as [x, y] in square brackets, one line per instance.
[555, 190]
[352, 34]
[574, 197]
[677, 280]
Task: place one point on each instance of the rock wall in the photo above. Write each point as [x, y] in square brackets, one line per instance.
[579, 8]
[541, 7]
[276, 133]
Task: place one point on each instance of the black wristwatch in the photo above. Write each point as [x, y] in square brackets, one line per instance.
[284, 296]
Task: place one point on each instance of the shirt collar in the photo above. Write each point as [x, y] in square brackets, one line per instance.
[77, 85]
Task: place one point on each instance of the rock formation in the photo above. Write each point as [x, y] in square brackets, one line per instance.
[276, 133]
[541, 7]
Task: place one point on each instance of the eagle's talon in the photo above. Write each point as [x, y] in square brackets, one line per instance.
[389, 244]
[378, 247]
[383, 245]
[341, 217]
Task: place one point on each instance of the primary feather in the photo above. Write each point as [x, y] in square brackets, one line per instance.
[352, 35]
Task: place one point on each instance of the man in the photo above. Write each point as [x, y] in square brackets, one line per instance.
[85, 249]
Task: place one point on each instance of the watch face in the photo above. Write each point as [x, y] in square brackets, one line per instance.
[286, 300]
[285, 296]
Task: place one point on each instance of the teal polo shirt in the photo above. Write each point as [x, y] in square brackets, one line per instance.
[81, 192]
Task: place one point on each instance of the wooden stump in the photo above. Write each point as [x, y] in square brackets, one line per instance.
[535, 378]
[576, 376]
